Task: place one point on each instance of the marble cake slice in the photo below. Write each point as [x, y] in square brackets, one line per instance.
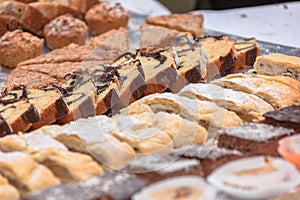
[105, 78]
[191, 61]
[79, 92]
[131, 78]
[19, 113]
[48, 102]
[160, 69]
[221, 55]
[247, 50]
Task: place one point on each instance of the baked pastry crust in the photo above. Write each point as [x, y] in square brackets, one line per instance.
[275, 93]
[192, 23]
[18, 46]
[207, 114]
[249, 107]
[31, 177]
[85, 136]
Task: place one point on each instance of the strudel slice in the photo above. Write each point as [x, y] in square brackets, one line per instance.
[206, 113]
[48, 102]
[249, 107]
[278, 64]
[275, 93]
[20, 114]
[28, 178]
[144, 139]
[87, 136]
[65, 165]
[5, 127]
[7, 191]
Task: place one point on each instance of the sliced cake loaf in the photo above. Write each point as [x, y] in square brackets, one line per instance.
[105, 78]
[191, 61]
[275, 93]
[249, 107]
[221, 54]
[246, 52]
[132, 82]
[159, 68]
[192, 23]
[31, 177]
[19, 113]
[7, 191]
[48, 102]
[79, 92]
[278, 64]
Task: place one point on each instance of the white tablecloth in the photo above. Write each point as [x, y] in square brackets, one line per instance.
[277, 23]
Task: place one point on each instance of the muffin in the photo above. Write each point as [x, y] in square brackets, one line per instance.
[65, 30]
[18, 46]
[105, 16]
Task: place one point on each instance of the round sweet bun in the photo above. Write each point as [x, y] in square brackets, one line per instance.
[106, 16]
[65, 30]
[18, 46]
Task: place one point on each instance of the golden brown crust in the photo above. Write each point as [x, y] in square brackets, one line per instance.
[7, 191]
[82, 5]
[106, 16]
[65, 30]
[18, 46]
[192, 23]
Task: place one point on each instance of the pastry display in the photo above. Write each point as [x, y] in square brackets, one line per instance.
[289, 149]
[64, 30]
[184, 187]
[7, 191]
[210, 157]
[288, 117]
[275, 93]
[278, 65]
[100, 17]
[155, 168]
[253, 138]
[247, 106]
[252, 177]
[7, 23]
[192, 23]
[11, 43]
[100, 116]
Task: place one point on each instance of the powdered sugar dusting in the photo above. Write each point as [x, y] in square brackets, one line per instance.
[256, 132]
